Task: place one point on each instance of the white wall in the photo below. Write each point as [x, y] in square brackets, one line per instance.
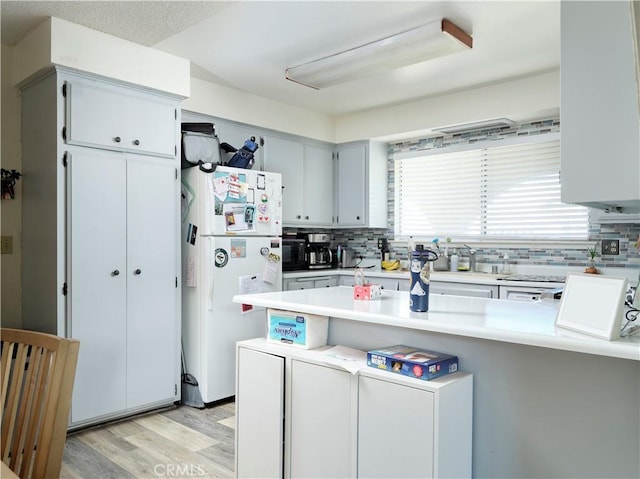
[215, 100]
[521, 99]
[58, 42]
[517, 99]
[11, 210]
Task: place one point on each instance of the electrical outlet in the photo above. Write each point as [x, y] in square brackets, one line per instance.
[610, 246]
[382, 244]
[6, 244]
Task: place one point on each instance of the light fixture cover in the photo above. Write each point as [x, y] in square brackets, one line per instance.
[475, 125]
[435, 39]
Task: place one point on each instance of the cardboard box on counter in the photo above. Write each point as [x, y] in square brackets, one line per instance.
[302, 330]
[413, 362]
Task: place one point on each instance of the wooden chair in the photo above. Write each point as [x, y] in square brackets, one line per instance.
[38, 371]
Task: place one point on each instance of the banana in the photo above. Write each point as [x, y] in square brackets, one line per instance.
[391, 265]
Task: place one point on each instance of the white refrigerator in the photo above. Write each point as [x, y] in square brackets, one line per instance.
[231, 244]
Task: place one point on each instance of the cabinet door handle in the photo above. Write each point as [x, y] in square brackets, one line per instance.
[115, 272]
[137, 272]
[136, 142]
[117, 139]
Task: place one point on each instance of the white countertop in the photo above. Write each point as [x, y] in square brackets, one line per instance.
[453, 277]
[516, 322]
[467, 277]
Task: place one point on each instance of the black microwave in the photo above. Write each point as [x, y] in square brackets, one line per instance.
[294, 254]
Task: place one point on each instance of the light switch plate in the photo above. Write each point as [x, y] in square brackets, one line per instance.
[7, 244]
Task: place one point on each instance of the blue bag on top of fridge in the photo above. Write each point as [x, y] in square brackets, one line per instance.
[242, 158]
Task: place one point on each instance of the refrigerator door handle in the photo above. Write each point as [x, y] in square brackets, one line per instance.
[211, 272]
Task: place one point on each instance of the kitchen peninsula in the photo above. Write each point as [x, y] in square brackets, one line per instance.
[546, 402]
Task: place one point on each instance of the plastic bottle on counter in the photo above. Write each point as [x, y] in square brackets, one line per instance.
[506, 269]
[453, 262]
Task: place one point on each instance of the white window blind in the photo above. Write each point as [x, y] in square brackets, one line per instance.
[504, 192]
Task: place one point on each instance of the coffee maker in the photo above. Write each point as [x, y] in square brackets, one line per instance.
[319, 254]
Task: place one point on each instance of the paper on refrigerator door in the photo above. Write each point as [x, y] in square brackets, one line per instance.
[271, 269]
[249, 284]
[190, 273]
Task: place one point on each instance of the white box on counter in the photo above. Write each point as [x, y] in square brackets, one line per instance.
[302, 330]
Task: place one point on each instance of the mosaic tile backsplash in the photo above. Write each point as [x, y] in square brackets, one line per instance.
[364, 241]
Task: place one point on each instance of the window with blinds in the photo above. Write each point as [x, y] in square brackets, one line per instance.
[495, 192]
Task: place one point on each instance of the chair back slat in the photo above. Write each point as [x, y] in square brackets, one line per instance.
[38, 372]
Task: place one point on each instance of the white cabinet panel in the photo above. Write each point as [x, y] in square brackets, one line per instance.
[389, 284]
[96, 214]
[308, 283]
[152, 354]
[351, 183]
[322, 435]
[259, 414]
[97, 298]
[307, 179]
[600, 159]
[151, 124]
[463, 289]
[318, 184]
[361, 184]
[395, 430]
[285, 157]
[326, 282]
[104, 115]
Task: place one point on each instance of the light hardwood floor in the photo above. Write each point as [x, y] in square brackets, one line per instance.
[179, 442]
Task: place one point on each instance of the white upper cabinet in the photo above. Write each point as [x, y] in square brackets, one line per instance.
[361, 182]
[600, 149]
[104, 115]
[307, 180]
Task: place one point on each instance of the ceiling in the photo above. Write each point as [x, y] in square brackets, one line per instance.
[247, 45]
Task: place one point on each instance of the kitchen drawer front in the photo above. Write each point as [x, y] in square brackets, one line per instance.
[463, 289]
[103, 115]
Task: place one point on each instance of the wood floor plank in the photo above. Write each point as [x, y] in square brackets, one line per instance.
[230, 422]
[175, 431]
[83, 460]
[175, 442]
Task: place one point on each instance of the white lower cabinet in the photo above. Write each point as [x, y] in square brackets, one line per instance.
[297, 417]
[309, 282]
[463, 289]
[390, 284]
[322, 409]
[395, 430]
[259, 414]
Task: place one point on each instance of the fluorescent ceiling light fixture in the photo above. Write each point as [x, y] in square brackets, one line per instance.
[475, 125]
[435, 39]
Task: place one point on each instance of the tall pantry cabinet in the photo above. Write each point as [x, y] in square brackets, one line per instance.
[101, 230]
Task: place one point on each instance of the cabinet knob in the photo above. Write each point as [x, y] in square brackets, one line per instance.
[357, 217]
[137, 272]
[117, 139]
[136, 142]
[115, 272]
[298, 217]
[306, 217]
